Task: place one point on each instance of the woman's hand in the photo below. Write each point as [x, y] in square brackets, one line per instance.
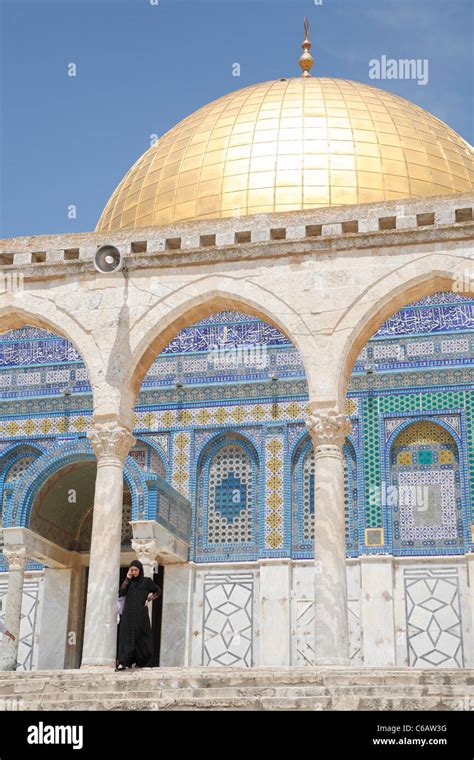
[129, 574]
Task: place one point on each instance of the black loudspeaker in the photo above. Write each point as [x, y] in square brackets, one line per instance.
[108, 259]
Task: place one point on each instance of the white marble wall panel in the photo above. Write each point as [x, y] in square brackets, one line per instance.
[353, 604]
[30, 613]
[174, 626]
[467, 595]
[275, 585]
[54, 619]
[302, 614]
[302, 650]
[377, 611]
[433, 614]
[225, 623]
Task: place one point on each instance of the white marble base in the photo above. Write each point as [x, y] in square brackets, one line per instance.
[376, 611]
[275, 593]
[54, 619]
[176, 603]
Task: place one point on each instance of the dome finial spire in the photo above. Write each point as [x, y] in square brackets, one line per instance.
[306, 61]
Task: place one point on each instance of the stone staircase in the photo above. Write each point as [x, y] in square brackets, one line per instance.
[331, 688]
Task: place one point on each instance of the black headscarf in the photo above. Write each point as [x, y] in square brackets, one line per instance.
[140, 576]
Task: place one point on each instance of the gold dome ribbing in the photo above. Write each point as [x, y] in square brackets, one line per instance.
[287, 145]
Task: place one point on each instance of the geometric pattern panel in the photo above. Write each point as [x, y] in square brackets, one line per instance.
[234, 413]
[355, 636]
[433, 617]
[408, 404]
[351, 496]
[302, 499]
[181, 458]
[305, 654]
[308, 496]
[28, 621]
[228, 619]
[226, 500]
[231, 497]
[230, 493]
[17, 469]
[274, 496]
[426, 504]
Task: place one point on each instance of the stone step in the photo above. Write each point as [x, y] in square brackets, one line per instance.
[254, 703]
[26, 688]
[157, 687]
[52, 692]
[240, 689]
[234, 677]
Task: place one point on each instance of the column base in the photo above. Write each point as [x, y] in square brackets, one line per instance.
[98, 664]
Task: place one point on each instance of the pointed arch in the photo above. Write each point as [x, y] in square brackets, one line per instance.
[19, 508]
[379, 302]
[196, 301]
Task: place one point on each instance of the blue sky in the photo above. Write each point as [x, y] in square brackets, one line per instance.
[142, 67]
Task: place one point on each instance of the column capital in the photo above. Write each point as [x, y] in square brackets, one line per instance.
[16, 556]
[110, 439]
[146, 548]
[328, 428]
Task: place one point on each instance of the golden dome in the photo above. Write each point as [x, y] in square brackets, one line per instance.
[288, 145]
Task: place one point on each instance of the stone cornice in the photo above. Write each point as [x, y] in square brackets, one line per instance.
[317, 247]
[317, 232]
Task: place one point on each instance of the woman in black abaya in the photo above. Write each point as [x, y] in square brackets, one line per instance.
[135, 642]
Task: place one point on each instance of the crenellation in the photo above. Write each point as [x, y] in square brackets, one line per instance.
[332, 230]
[371, 218]
[407, 222]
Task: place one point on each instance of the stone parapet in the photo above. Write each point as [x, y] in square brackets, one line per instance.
[341, 228]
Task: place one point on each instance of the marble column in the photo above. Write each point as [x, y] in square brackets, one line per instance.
[328, 430]
[146, 551]
[16, 557]
[111, 443]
